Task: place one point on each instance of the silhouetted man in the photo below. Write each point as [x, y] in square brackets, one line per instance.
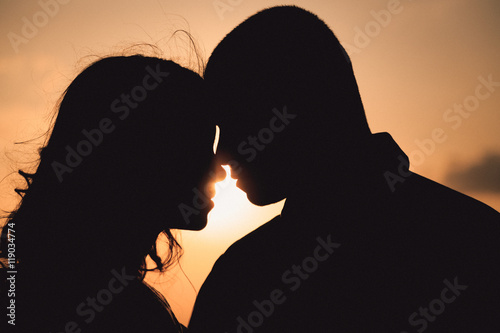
[362, 244]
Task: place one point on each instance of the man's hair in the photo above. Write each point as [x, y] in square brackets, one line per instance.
[286, 56]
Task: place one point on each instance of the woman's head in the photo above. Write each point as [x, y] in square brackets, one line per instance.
[129, 156]
[131, 132]
[131, 146]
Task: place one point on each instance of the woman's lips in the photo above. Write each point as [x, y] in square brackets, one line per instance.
[210, 191]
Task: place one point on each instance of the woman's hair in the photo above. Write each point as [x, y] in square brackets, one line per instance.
[100, 194]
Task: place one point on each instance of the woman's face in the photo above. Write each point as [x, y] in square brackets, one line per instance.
[196, 179]
[183, 133]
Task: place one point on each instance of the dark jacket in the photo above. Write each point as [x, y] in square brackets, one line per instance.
[376, 249]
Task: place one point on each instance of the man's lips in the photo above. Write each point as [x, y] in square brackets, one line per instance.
[211, 205]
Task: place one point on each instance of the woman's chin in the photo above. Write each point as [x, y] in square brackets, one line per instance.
[195, 223]
[198, 224]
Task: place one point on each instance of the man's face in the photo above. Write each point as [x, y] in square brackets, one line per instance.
[251, 147]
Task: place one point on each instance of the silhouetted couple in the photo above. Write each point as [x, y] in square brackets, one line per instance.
[362, 244]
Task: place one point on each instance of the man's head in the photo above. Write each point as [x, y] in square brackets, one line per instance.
[287, 101]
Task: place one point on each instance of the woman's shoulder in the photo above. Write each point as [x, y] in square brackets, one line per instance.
[137, 308]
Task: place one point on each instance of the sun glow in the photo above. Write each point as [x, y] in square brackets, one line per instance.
[229, 201]
[232, 217]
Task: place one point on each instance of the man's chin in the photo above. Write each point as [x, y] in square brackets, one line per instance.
[259, 199]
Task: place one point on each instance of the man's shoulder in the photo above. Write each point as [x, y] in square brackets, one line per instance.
[435, 210]
[441, 199]
[234, 276]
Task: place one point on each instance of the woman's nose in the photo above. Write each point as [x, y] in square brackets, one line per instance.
[219, 172]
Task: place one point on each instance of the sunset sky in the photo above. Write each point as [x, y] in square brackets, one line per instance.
[427, 70]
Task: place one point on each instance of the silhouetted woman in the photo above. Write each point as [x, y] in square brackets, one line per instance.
[129, 150]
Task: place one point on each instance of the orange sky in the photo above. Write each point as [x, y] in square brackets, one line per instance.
[415, 66]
